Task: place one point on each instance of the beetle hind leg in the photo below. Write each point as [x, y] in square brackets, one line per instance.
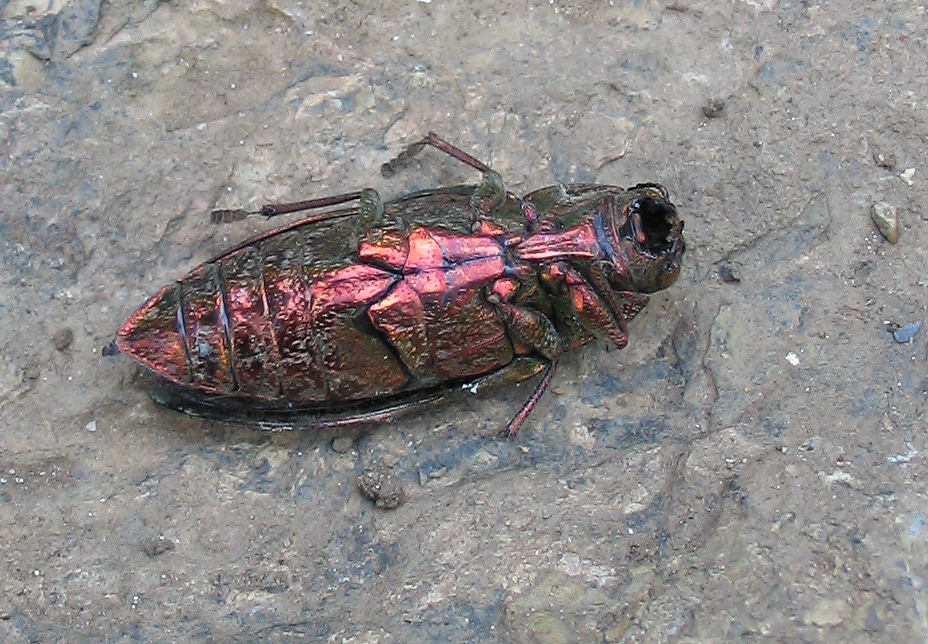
[371, 207]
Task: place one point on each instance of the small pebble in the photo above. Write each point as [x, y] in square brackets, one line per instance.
[91, 426]
[905, 333]
[341, 444]
[713, 107]
[886, 219]
[381, 486]
[157, 546]
[63, 338]
[906, 175]
[729, 273]
[885, 159]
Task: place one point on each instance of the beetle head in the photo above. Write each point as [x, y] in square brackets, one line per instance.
[642, 238]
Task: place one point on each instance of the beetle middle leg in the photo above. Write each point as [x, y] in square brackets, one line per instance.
[399, 162]
[587, 304]
[529, 330]
[487, 197]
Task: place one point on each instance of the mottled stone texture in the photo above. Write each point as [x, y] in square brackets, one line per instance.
[697, 486]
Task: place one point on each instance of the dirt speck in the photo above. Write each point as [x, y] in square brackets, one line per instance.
[63, 338]
[713, 108]
[342, 444]
[380, 485]
[155, 546]
[884, 158]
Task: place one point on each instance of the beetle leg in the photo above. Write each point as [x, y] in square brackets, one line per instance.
[391, 167]
[489, 195]
[587, 304]
[629, 303]
[531, 328]
[519, 370]
[632, 303]
[512, 428]
[371, 208]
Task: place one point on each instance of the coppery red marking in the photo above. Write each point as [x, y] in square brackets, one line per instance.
[350, 287]
[428, 283]
[504, 288]
[460, 248]
[424, 252]
[490, 229]
[391, 250]
[578, 242]
[151, 336]
[478, 272]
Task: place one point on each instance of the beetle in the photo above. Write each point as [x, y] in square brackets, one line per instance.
[366, 310]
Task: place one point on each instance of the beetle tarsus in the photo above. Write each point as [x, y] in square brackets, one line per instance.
[227, 216]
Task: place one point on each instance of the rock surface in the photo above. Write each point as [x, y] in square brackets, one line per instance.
[694, 487]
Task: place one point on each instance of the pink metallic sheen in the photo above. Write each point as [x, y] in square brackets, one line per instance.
[427, 283]
[503, 288]
[424, 252]
[578, 242]
[460, 248]
[475, 273]
[350, 287]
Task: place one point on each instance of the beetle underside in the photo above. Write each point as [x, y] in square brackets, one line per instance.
[363, 313]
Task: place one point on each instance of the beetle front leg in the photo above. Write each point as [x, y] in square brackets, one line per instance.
[589, 307]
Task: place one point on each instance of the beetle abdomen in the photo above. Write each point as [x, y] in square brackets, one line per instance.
[267, 323]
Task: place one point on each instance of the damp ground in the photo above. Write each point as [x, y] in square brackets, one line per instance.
[751, 468]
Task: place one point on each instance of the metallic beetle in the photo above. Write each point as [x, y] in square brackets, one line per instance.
[360, 313]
